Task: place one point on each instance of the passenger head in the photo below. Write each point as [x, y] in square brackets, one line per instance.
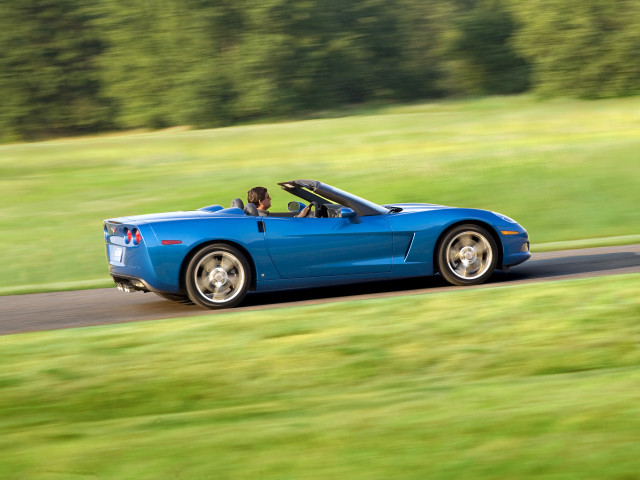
[259, 197]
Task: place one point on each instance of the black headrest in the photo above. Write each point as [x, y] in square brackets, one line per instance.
[237, 202]
[251, 209]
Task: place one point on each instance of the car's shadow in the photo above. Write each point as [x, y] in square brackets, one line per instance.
[352, 290]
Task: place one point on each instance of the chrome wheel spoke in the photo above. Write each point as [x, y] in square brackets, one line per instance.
[203, 284]
[461, 271]
[233, 279]
[480, 248]
[217, 294]
[469, 255]
[209, 266]
[219, 277]
[224, 266]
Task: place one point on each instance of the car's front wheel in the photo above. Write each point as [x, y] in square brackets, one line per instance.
[218, 276]
[467, 255]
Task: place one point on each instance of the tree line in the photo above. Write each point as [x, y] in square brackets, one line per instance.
[70, 67]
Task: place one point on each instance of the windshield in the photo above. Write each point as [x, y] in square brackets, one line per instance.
[360, 205]
[314, 191]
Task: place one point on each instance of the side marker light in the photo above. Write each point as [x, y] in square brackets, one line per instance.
[509, 232]
[171, 242]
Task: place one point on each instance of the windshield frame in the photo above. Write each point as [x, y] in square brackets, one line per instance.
[314, 191]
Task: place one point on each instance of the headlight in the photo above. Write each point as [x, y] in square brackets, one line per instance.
[504, 217]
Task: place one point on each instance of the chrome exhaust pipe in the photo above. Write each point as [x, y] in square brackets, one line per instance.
[124, 287]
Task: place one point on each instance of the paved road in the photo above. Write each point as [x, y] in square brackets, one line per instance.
[49, 311]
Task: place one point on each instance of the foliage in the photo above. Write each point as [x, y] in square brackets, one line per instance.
[512, 382]
[50, 83]
[69, 67]
[486, 60]
[246, 59]
[584, 48]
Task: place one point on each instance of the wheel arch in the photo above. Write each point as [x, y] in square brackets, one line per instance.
[200, 246]
[479, 223]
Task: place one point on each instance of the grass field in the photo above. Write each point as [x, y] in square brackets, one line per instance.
[526, 382]
[566, 170]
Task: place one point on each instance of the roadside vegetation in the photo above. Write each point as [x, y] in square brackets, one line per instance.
[506, 382]
[115, 65]
[565, 169]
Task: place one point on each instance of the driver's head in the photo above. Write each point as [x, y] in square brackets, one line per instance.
[259, 197]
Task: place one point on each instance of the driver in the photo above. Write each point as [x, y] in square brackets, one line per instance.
[259, 196]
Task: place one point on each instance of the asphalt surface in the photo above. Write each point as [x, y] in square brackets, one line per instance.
[50, 311]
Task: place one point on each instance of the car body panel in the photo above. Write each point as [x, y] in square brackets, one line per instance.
[320, 247]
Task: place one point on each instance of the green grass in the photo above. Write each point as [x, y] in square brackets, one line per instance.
[536, 381]
[567, 170]
[586, 243]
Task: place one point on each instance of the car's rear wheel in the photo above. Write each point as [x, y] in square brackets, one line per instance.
[218, 276]
[467, 255]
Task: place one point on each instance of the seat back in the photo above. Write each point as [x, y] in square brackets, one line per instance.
[237, 202]
[251, 209]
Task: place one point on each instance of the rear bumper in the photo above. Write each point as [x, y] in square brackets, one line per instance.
[128, 283]
[132, 268]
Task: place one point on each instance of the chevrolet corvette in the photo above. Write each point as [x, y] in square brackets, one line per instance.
[214, 256]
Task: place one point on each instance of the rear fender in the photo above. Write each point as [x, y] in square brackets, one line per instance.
[171, 261]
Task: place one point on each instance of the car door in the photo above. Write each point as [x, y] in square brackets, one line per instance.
[317, 247]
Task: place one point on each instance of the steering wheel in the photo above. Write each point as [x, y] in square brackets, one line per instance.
[313, 210]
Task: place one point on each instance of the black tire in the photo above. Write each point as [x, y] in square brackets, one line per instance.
[218, 276]
[175, 297]
[467, 255]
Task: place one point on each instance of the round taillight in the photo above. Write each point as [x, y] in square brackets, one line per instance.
[129, 235]
[137, 236]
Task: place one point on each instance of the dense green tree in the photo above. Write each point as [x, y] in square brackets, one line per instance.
[487, 62]
[150, 47]
[585, 48]
[70, 67]
[49, 81]
[334, 51]
[187, 62]
[209, 64]
[427, 27]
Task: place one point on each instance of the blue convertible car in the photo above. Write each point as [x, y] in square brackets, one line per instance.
[213, 256]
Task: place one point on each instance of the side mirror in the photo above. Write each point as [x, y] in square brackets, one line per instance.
[347, 213]
[295, 207]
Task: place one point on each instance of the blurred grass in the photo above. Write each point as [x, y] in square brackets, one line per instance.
[511, 382]
[566, 170]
